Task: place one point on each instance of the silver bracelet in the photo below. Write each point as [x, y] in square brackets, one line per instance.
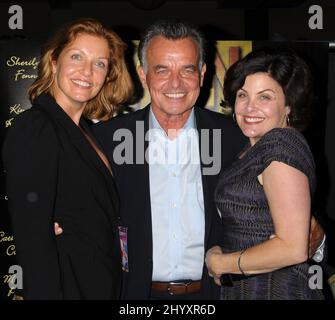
[239, 262]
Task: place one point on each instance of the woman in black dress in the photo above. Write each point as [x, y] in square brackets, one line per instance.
[268, 190]
[56, 170]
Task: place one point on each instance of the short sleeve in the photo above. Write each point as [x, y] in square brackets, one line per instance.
[289, 146]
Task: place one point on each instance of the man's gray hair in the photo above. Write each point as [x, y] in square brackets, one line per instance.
[171, 30]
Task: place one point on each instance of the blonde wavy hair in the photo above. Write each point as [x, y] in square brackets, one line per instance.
[118, 88]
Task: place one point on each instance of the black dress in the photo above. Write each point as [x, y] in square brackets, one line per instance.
[246, 217]
[54, 174]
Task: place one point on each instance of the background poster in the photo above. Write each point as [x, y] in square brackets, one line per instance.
[18, 64]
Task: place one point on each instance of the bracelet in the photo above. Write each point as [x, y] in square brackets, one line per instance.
[239, 262]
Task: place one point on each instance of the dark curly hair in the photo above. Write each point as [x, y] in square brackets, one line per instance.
[284, 66]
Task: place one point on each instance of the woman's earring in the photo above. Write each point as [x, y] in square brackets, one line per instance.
[288, 121]
[234, 118]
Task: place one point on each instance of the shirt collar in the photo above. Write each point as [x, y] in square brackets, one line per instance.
[154, 124]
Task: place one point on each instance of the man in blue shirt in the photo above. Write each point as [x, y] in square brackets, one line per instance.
[167, 201]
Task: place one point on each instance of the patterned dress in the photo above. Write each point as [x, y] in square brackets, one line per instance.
[246, 217]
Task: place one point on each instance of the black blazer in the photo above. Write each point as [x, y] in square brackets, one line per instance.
[133, 187]
[53, 174]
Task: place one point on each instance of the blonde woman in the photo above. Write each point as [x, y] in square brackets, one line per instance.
[56, 170]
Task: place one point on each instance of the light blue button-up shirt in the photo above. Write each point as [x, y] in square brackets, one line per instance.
[177, 204]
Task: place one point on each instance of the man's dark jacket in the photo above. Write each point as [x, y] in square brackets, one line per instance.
[134, 190]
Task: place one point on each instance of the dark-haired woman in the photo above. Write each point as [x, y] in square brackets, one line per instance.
[268, 190]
